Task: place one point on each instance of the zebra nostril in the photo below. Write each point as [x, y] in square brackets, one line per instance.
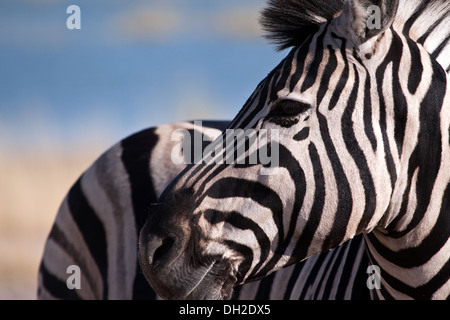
[162, 251]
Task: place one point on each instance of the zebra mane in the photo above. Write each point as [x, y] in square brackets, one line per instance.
[288, 23]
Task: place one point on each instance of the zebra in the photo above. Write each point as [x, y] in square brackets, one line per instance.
[360, 118]
[99, 221]
[59, 247]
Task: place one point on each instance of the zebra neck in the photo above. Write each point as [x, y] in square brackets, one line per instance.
[413, 250]
[410, 269]
[411, 244]
[424, 22]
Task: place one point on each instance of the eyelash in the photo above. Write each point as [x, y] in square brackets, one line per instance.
[285, 112]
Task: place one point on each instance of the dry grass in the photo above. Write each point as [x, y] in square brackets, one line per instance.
[32, 186]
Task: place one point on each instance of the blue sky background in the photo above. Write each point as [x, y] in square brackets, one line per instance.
[133, 64]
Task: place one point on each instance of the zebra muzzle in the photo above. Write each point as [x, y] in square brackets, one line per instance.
[166, 258]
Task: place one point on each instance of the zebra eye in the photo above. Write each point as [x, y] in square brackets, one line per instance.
[285, 112]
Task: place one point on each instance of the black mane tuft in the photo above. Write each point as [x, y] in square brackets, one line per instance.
[289, 22]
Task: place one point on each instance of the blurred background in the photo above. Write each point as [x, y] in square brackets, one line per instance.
[68, 95]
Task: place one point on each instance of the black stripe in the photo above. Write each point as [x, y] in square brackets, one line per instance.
[267, 198]
[426, 156]
[238, 221]
[232, 187]
[302, 135]
[359, 287]
[264, 90]
[395, 50]
[266, 286]
[58, 236]
[285, 71]
[415, 15]
[247, 104]
[425, 36]
[416, 70]
[435, 54]
[213, 171]
[367, 115]
[261, 103]
[400, 104]
[360, 291]
[359, 157]
[321, 281]
[258, 193]
[91, 229]
[136, 151]
[193, 169]
[403, 208]
[419, 255]
[422, 292]
[55, 286]
[313, 68]
[293, 279]
[190, 171]
[327, 74]
[302, 52]
[344, 75]
[336, 264]
[344, 201]
[383, 293]
[191, 156]
[290, 163]
[273, 85]
[313, 274]
[209, 169]
[315, 215]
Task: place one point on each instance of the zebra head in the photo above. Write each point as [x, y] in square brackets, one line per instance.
[340, 115]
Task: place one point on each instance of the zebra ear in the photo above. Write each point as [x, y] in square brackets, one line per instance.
[368, 18]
